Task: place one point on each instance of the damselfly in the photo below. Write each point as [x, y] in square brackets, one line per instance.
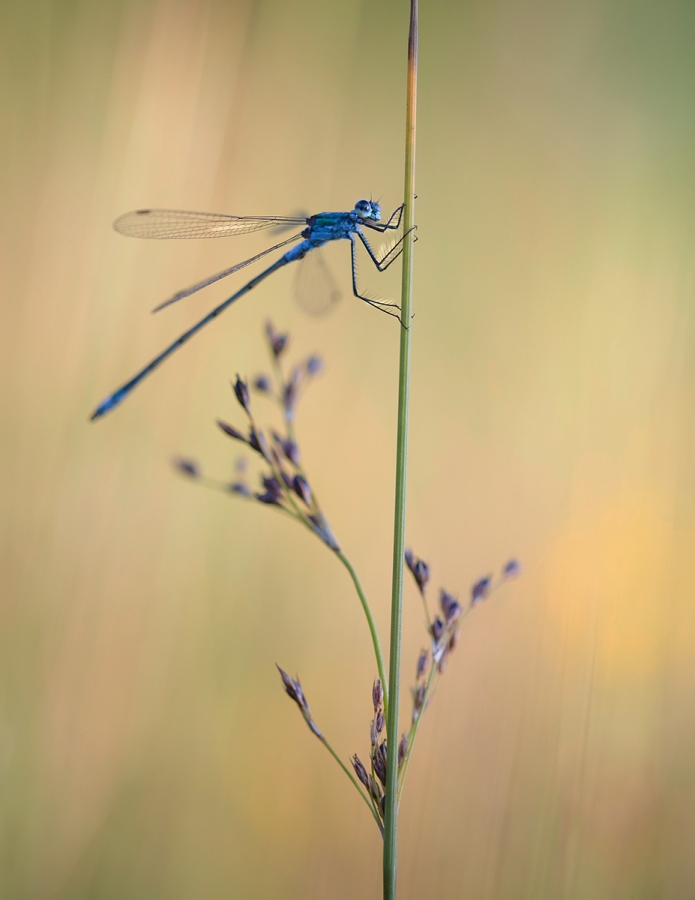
[318, 230]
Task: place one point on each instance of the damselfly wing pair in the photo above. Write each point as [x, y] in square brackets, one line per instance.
[317, 231]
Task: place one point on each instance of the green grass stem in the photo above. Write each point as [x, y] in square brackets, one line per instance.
[372, 624]
[350, 775]
[392, 725]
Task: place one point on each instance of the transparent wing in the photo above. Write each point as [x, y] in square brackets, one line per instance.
[285, 224]
[178, 223]
[186, 292]
[316, 289]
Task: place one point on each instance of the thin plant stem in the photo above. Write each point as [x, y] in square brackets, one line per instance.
[414, 728]
[427, 612]
[412, 734]
[391, 801]
[294, 513]
[370, 621]
[352, 778]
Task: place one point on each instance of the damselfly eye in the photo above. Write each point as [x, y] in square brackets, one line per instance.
[363, 207]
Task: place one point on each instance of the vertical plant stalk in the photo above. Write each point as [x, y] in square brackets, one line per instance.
[391, 808]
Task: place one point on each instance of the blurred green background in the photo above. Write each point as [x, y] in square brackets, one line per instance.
[146, 747]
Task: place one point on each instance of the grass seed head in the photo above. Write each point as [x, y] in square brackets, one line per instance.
[402, 749]
[241, 390]
[377, 694]
[187, 467]
[272, 495]
[419, 570]
[421, 664]
[313, 365]
[302, 489]
[276, 341]
[360, 771]
[481, 589]
[437, 628]
[231, 431]
[262, 384]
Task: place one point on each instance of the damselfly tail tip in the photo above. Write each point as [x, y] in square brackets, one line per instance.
[101, 410]
[107, 405]
[166, 303]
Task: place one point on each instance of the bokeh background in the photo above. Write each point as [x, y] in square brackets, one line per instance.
[146, 747]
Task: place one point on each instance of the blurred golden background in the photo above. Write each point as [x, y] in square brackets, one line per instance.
[146, 746]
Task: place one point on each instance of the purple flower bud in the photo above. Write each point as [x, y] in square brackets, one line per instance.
[421, 664]
[273, 491]
[292, 687]
[377, 694]
[418, 699]
[262, 383]
[313, 365]
[360, 771]
[238, 487]
[258, 443]
[231, 431]
[454, 612]
[450, 606]
[294, 690]
[378, 768]
[241, 389]
[373, 733]
[445, 601]
[419, 569]
[272, 485]
[379, 721]
[302, 489]
[379, 762]
[253, 440]
[291, 451]
[288, 447]
[511, 569]
[402, 749]
[277, 341]
[187, 467]
[437, 628]
[422, 574]
[480, 590]
[375, 790]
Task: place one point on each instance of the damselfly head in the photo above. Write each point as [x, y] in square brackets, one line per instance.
[368, 209]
